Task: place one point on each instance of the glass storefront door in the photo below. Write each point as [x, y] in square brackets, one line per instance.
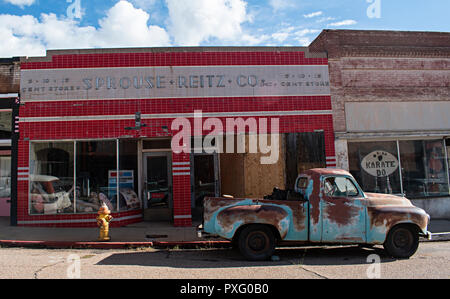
[157, 181]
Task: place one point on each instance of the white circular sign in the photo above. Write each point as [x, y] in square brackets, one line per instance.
[380, 164]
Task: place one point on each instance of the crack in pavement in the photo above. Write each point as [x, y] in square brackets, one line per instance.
[36, 273]
[302, 266]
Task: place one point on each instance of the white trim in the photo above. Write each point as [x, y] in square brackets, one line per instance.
[5, 142]
[181, 97]
[180, 168]
[181, 163]
[73, 220]
[181, 173]
[8, 95]
[175, 115]
[182, 217]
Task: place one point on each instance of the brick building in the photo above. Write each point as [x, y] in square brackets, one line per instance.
[9, 92]
[98, 126]
[390, 92]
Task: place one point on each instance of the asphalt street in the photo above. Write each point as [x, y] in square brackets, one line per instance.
[432, 260]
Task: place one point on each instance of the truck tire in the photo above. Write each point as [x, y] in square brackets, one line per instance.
[256, 242]
[402, 241]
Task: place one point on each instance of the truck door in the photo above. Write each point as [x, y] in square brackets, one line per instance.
[343, 211]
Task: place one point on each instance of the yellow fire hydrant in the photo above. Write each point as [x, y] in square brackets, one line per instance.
[103, 220]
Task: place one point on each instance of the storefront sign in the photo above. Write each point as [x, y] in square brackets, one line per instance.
[174, 82]
[380, 164]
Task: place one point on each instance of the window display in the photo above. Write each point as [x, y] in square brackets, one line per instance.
[375, 166]
[128, 178]
[424, 168]
[54, 189]
[95, 159]
[51, 178]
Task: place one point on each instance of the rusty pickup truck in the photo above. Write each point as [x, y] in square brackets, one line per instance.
[327, 206]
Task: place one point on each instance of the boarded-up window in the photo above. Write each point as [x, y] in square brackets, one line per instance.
[303, 151]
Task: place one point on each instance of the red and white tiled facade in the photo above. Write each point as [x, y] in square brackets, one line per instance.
[100, 105]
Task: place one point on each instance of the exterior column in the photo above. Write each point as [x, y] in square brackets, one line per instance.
[181, 189]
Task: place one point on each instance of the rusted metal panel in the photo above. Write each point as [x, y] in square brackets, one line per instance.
[343, 220]
[385, 211]
[225, 216]
[362, 218]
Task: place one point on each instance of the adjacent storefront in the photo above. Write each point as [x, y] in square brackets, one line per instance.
[99, 126]
[390, 97]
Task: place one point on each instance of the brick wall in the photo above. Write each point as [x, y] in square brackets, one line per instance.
[384, 66]
[9, 76]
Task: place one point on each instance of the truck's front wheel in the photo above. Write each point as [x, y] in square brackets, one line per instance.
[256, 242]
[402, 241]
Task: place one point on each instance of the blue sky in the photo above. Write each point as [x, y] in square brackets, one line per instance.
[29, 27]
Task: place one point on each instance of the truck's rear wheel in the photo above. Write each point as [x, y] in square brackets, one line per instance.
[402, 241]
[256, 242]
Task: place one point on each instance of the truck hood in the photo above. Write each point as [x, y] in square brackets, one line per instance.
[379, 199]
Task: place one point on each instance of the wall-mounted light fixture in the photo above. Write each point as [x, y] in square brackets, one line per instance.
[138, 125]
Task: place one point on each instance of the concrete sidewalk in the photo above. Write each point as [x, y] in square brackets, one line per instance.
[144, 234]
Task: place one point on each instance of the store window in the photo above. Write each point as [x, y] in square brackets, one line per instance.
[55, 190]
[96, 165]
[424, 168]
[375, 166]
[5, 176]
[5, 123]
[51, 178]
[128, 175]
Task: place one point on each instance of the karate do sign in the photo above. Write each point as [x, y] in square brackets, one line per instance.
[380, 164]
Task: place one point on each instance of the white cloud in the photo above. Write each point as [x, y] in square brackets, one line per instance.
[21, 3]
[325, 19]
[127, 26]
[281, 4]
[304, 32]
[192, 22]
[123, 26]
[313, 14]
[280, 36]
[343, 23]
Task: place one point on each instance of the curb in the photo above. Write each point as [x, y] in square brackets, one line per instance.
[436, 237]
[113, 245]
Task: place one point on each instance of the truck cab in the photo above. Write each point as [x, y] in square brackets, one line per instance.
[327, 206]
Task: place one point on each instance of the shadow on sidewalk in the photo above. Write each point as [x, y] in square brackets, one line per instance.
[228, 258]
